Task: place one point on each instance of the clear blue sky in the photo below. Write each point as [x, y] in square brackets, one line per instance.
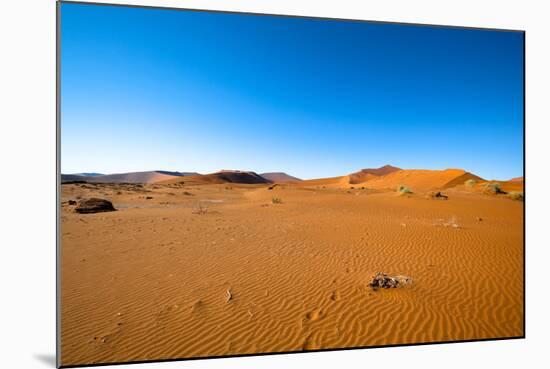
[148, 89]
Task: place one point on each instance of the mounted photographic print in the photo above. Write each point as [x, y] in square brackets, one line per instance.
[240, 184]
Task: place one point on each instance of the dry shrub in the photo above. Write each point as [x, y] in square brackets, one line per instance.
[404, 190]
[516, 196]
[493, 188]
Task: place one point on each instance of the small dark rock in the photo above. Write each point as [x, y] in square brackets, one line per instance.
[94, 205]
[148, 197]
[71, 202]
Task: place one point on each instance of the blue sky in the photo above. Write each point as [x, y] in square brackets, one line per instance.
[149, 89]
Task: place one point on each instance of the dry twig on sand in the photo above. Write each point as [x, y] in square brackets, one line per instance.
[382, 280]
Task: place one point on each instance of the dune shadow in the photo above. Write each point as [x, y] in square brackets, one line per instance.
[48, 359]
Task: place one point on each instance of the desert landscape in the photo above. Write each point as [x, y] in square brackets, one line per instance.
[162, 265]
[239, 184]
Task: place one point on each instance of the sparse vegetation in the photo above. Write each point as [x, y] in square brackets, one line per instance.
[516, 196]
[404, 190]
[493, 188]
[470, 183]
[276, 200]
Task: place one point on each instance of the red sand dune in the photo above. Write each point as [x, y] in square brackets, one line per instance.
[512, 186]
[332, 182]
[418, 179]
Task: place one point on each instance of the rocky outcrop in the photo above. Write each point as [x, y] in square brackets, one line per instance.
[94, 205]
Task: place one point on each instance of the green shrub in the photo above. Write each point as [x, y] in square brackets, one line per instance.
[470, 182]
[493, 188]
[404, 190]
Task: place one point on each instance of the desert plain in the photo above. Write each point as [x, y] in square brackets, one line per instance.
[238, 263]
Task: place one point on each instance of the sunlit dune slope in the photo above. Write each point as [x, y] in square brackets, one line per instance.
[279, 177]
[418, 179]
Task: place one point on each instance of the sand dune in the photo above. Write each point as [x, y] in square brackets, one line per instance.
[224, 176]
[152, 280]
[332, 182]
[418, 179]
[237, 176]
[366, 174]
[131, 177]
[279, 177]
[390, 178]
[513, 186]
[517, 179]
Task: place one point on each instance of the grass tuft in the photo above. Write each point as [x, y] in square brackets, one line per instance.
[404, 190]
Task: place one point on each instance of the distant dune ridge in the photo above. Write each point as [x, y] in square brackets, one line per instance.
[385, 177]
[279, 177]
[223, 176]
[132, 177]
[238, 176]
[89, 174]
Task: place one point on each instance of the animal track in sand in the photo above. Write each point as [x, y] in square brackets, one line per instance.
[197, 305]
[108, 336]
[314, 315]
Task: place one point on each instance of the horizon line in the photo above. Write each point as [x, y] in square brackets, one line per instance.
[81, 173]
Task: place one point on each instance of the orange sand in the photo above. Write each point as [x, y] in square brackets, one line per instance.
[151, 280]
